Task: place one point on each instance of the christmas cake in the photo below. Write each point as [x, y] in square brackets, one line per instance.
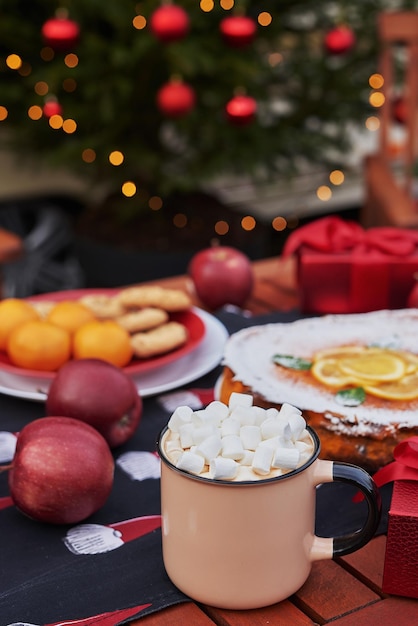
[355, 377]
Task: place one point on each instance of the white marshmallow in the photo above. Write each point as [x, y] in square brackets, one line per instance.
[219, 409]
[232, 447]
[239, 399]
[250, 436]
[247, 459]
[271, 428]
[297, 426]
[271, 412]
[260, 415]
[287, 458]
[203, 432]
[210, 447]
[186, 435]
[191, 462]
[230, 426]
[244, 414]
[181, 415]
[287, 410]
[263, 457]
[223, 469]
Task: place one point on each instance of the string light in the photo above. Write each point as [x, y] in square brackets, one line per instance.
[226, 5]
[324, 193]
[116, 158]
[3, 113]
[35, 112]
[69, 85]
[41, 88]
[69, 126]
[129, 189]
[71, 60]
[155, 203]
[279, 223]
[56, 121]
[207, 5]
[47, 54]
[139, 22]
[337, 177]
[13, 61]
[88, 155]
[376, 81]
[180, 220]
[221, 227]
[248, 223]
[376, 99]
[372, 123]
[265, 18]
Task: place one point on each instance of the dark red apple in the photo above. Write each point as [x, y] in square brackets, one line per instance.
[221, 275]
[62, 470]
[99, 394]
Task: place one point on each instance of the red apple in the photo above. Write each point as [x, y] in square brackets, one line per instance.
[62, 470]
[98, 393]
[221, 275]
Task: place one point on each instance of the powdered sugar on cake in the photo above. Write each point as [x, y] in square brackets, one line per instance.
[249, 354]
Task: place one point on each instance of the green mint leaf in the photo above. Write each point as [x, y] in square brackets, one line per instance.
[292, 362]
[351, 397]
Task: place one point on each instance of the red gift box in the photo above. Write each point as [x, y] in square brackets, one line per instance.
[400, 573]
[343, 268]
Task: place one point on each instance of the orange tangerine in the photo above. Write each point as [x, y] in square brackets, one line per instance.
[70, 315]
[104, 340]
[39, 345]
[13, 313]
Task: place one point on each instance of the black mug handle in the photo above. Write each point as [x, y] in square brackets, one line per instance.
[359, 478]
[337, 471]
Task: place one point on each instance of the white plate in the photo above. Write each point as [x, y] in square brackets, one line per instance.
[184, 370]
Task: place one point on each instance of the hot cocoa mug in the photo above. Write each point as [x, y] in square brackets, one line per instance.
[249, 544]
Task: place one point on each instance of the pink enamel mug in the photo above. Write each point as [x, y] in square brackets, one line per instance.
[249, 544]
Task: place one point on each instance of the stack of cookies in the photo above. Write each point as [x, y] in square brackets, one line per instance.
[144, 312]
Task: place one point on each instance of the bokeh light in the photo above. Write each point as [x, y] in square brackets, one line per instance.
[88, 155]
[324, 193]
[337, 177]
[116, 158]
[129, 189]
[221, 227]
[279, 223]
[248, 223]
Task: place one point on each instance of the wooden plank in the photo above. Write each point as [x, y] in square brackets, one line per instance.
[367, 563]
[177, 615]
[331, 591]
[389, 612]
[282, 614]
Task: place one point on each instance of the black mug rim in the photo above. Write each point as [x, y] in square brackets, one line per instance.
[241, 483]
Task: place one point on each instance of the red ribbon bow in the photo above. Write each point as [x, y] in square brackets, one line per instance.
[405, 465]
[333, 234]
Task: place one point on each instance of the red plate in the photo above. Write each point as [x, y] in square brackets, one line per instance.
[192, 321]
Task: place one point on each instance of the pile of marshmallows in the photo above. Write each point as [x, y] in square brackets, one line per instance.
[238, 441]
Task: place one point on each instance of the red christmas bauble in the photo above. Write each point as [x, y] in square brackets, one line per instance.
[60, 33]
[51, 107]
[176, 99]
[238, 31]
[241, 110]
[339, 40]
[169, 23]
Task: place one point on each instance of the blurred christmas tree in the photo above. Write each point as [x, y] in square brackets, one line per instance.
[87, 93]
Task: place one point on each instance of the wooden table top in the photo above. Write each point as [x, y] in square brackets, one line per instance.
[345, 591]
